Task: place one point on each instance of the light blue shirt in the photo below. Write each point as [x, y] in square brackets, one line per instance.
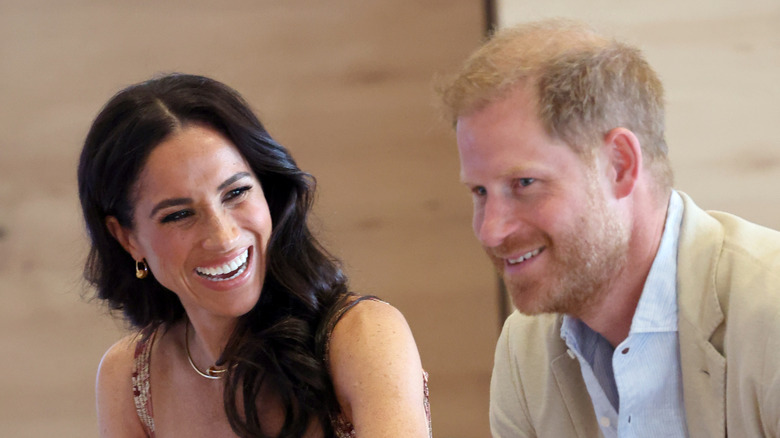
[636, 388]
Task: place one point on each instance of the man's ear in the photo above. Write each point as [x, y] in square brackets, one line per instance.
[624, 155]
[124, 236]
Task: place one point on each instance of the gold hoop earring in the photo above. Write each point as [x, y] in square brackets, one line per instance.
[141, 270]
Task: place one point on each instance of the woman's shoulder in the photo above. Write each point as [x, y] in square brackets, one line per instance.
[120, 356]
[352, 315]
[116, 408]
[370, 334]
[366, 312]
[117, 361]
[376, 370]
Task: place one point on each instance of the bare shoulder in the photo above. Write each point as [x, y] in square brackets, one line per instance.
[371, 315]
[369, 328]
[116, 412]
[119, 354]
[115, 369]
[377, 373]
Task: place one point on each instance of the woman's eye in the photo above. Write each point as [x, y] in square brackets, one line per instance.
[177, 216]
[237, 193]
[479, 191]
[525, 182]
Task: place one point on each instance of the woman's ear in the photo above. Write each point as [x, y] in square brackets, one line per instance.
[625, 160]
[124, 236]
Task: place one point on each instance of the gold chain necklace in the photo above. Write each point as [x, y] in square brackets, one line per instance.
[212, 372]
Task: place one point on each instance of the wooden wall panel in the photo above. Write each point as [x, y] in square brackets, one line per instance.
[346, 85]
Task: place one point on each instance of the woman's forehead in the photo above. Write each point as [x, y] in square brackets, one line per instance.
[193, 157]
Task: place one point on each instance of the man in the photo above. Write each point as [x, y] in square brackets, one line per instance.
[639, 313]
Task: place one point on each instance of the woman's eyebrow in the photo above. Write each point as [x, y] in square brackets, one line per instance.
[183, 201]
[233, 179]
[169, 203]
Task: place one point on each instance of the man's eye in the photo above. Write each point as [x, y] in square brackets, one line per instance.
[177, 216]
[479, 191]
[236, 193]
[525, 182]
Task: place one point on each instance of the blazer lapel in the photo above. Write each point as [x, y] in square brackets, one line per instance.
[704, 385]
[575, 396]
[701, 323]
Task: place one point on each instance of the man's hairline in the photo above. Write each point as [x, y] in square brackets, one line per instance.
[503, 93]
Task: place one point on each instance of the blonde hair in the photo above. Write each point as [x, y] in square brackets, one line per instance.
[585, 84]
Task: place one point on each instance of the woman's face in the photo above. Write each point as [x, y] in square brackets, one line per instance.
[202, 223]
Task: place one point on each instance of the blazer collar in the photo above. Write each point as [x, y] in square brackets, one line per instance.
[701, 322]
[568, 378]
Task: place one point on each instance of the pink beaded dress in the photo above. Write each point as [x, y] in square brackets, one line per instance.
[142, 391]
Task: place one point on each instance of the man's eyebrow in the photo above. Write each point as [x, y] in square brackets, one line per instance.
[506, 174]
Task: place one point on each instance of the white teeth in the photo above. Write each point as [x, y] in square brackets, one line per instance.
[239, 272]
[525, 256]
[236, 263]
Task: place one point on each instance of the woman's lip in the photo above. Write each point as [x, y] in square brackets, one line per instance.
[224, 260]
[219, 283]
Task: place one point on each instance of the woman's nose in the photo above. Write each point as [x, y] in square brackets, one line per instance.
[221, 233]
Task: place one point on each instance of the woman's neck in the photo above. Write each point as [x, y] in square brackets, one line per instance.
[208, 338]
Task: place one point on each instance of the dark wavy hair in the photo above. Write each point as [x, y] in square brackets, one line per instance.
[276, 345]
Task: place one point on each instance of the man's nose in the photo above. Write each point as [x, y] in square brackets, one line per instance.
[495, 222]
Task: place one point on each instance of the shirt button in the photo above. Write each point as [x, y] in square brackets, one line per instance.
[604, 421]
[625, 350]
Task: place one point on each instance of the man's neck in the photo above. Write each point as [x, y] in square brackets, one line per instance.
[612, 315]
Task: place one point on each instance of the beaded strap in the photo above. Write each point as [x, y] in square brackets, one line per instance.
[142, 391]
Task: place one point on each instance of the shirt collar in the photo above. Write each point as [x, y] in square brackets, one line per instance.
[657, 307]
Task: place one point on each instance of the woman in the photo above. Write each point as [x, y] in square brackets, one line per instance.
[199, 236]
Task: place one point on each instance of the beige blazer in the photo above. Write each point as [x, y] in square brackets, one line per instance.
[729, 319]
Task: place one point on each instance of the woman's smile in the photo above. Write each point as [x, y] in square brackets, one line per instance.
[226, 271]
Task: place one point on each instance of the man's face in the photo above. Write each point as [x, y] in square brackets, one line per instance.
[541, 211]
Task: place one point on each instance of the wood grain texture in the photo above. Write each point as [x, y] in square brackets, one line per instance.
[346, 86]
